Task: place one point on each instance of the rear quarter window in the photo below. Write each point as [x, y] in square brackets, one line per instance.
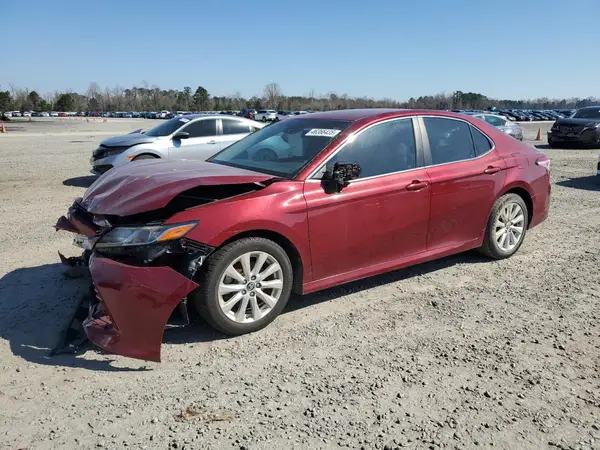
[481, 142]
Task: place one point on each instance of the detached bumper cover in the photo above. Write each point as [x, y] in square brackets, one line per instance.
[137, 303]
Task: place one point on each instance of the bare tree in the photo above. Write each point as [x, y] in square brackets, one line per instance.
[272, 94]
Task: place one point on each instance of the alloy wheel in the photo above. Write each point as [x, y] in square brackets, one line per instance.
[509, 226]
[250, 287]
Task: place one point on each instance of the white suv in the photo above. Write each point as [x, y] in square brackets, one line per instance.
[266, 115]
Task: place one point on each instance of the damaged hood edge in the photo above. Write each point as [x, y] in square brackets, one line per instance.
[149, 185]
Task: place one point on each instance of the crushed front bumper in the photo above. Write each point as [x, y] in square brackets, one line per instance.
[133, 306]
[133, 300]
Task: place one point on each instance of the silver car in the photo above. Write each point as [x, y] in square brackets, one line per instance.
[502, 123]
[194, 136]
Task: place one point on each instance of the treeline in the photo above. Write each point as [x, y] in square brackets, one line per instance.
[146, 98]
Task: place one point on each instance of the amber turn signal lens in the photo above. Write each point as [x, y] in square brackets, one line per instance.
[176, 232]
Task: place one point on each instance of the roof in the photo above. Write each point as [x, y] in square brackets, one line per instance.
[206, 116]
[373, 114]
[352, 114]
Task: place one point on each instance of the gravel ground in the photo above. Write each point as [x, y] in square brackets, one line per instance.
[458, 353]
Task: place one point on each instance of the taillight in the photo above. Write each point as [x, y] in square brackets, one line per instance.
[543, 161]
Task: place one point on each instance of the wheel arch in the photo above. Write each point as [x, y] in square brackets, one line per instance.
[146, 153]
[287, 245]
[522, 191]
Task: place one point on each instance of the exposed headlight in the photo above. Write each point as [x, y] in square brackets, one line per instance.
[133, 236]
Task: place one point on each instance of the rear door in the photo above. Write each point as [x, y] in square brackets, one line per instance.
[202, 143]
[233, 130]
[466, 175]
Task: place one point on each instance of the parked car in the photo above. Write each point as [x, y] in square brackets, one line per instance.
[266, 115]
[284, 115]
[512, 129]
[186, 137]
[582, 129]
[350, 194]
[248, 113]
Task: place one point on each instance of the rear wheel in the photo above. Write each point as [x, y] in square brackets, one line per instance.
[506, 227]
[245, 287]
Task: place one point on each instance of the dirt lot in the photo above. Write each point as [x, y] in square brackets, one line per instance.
[459, 353]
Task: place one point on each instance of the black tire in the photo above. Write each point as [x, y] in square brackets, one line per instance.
[205, 298]
[139, 158]
[264, 119]
[265, 154]
[490, 247]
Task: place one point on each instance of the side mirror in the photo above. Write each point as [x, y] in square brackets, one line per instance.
[342, 173]
[181, 135]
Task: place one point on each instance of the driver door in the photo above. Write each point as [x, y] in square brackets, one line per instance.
[380, 217]
[202, 143]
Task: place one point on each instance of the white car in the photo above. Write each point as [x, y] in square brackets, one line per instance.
[194, 136]
[266, 115]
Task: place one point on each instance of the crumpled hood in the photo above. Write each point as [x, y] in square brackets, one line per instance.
[127, 140]
[149, 185]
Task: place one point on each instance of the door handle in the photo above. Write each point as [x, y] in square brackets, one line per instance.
[492, 169]
[211, 142]
[417, 185]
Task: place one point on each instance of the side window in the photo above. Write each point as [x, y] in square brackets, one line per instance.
[449, 140]
[496, 121]
[234, 126]
[482, 143]
[202, 128]
[385, 148]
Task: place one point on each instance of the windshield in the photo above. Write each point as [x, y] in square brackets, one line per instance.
[168, 127]
[587, 113]
[281, 149]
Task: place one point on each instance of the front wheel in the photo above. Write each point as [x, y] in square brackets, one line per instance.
[506, 227]
[246, 285]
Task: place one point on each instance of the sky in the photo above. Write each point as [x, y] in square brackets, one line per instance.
[379, 48]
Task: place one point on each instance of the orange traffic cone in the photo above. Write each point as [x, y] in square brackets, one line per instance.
[539, 135]
[30, 118]
[3, 130]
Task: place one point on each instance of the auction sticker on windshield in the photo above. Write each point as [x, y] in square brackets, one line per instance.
[323, 132]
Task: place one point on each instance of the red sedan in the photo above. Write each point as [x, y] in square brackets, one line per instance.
[304, 204]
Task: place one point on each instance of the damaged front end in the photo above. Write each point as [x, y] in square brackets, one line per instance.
[142, 273]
